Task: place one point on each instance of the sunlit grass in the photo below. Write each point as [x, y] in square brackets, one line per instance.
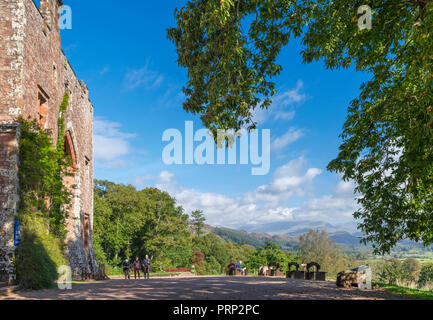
[419, 294]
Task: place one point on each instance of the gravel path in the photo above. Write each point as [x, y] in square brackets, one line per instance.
[204, 288]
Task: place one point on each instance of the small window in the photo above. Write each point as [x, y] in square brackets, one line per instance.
[85, 234]
[55, 74]
[86, 160]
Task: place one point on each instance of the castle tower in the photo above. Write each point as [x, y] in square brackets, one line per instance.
[34, 76]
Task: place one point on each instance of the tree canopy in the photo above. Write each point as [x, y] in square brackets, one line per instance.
[230, 49]
[316, 246]
[131, 223]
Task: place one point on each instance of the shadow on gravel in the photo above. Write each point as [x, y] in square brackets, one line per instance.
[206, 288]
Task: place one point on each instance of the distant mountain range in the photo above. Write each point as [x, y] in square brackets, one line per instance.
[294, 228]
[286, 234]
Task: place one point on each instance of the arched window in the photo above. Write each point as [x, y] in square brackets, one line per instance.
[85, 234]
[70, 151]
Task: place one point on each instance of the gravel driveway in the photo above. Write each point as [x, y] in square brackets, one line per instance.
[204, 288]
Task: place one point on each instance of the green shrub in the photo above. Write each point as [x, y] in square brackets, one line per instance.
[392, 272]
[412, 269]
[426, 274]
[200, 270]
[38, 256]
[212, 266]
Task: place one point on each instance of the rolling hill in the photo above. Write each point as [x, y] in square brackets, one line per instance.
[344, 235]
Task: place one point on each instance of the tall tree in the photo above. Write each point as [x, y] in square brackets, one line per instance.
[316, 246]
[230, 47]
[198, 220]
[426, 275]
[412, 268]
[216, 255]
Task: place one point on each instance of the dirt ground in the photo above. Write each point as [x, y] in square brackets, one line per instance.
[205, 288]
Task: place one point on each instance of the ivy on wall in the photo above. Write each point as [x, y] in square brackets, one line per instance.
[44, 202]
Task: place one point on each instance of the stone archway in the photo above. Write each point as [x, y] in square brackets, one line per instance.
[70, 180]
[70, 151]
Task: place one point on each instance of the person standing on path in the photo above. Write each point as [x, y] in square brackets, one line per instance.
[127, 269]
[239, 267]
[146, 266]
[136, 268]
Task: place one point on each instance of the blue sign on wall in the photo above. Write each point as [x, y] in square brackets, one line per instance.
[17, 232]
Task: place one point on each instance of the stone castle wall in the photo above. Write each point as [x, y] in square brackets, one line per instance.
[9, 135]
[33, 65]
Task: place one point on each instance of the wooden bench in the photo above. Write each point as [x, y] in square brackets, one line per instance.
[295, 274]
[274, 270]
[314, 275]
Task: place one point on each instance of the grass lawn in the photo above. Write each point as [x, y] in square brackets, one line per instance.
[407, 292]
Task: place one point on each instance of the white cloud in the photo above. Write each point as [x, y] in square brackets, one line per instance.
[337, 207]
[110, 144]
[165, 177]
[287, 182]
[144, 77]
[289, 137]
[289, 115]
[282, 105]
[262, 205]
[292, 96]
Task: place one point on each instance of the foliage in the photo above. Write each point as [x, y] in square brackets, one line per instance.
[318, 247]
[218, 254]
[238, 253]
[44, 204]
[214, 250]
[227, 76]
[387, 136]
[412, 269]
[162, 262]
[269, 253]
[426, 274]
[41, 172]
[392, 272]
[130, 223]
[198, 262]
[255, 260]
[198, 220]
[230, 50]
[407, 274]
[38, 256]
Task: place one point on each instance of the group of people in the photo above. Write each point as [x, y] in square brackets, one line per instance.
[237, 266]
[137, 266]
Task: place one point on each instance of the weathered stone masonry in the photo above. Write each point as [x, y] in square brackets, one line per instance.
[34, 75]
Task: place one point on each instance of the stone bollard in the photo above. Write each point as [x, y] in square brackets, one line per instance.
[358, 277]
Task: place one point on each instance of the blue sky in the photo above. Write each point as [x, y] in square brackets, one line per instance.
[122, 53]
